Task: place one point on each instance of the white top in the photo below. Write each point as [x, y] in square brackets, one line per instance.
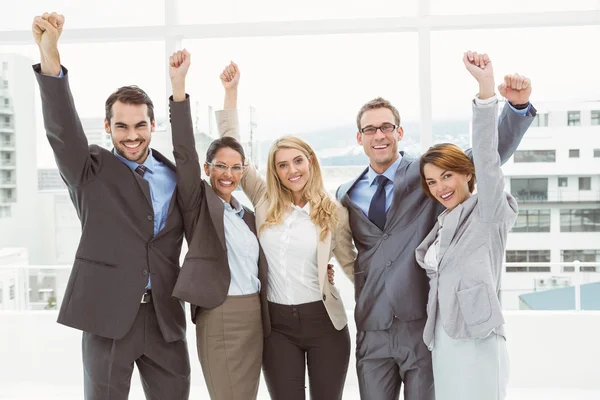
[291, 252]
[242, 251]
[431, 257]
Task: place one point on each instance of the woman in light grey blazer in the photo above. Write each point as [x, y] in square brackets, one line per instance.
[463, 253]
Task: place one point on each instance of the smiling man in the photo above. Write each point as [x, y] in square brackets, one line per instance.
[389, 216]
[127, 261]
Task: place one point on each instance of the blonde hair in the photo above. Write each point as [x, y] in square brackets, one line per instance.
[323, 209]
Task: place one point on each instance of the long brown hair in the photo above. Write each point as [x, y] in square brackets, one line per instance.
[449, 157]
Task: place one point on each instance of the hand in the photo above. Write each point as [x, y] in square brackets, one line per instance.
[179, 64]
[230, 77]
[516, 89]
[46, 30]
[330, 273]
[480, 66]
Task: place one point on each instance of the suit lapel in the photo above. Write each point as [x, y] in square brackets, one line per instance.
[323, 252]
[401, 185]
[144, 185]
[216, 208]
[449, 228]
[425, 244]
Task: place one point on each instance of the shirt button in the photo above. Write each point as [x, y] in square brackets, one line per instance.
[387, 264]
[295, 315]
[385, 236]
[150, 217]
[293, 308]
[324, 297]
[144, 272]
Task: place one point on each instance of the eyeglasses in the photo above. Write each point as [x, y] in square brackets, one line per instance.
[385, 128]
[222, 168]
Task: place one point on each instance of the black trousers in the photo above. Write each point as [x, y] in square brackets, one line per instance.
[108, 364]
[303, 335]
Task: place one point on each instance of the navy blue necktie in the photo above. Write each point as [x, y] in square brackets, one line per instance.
[377, 207]
[141, 170]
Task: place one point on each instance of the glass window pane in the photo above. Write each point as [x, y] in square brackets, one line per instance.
[316, 97]
[453, 87]
[199, 12]
[97, 14]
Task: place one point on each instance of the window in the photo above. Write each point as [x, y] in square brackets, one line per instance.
[582, 256]
[574, 118]
[532, 221]
[4, 66]
[541, 120]
[534, 189]
[526, 156]
[580, 220]
[525, 257]
[11, 291]
[563, 181]
[4, 84]
[596, 153]
[574, 153]
[595, 117]
[585, 183]
[6, 102]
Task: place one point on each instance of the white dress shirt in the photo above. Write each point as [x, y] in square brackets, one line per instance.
[242, 251]
[291, 251]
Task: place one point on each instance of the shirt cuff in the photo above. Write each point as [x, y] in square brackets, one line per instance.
[485, 102]
[59, 75]
[523, 111]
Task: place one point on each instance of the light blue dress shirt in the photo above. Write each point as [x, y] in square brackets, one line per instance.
[242, 251]
[162, 181]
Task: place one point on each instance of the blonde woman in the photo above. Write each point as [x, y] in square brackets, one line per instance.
[299, 227]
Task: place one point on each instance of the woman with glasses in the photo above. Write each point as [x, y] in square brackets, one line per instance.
[300, 227]
[224, 275]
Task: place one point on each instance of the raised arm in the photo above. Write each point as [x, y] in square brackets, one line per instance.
[513, 123]
[190, 188]
[253, 185]
[62, 124]
[490, 179]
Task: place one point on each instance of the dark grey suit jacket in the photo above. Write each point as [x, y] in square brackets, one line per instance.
[205, 274]
[388, 281]
[117, 249]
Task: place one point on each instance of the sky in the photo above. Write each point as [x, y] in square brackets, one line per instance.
[299, 84]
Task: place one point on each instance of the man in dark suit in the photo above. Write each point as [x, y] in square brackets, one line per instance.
[127, 261]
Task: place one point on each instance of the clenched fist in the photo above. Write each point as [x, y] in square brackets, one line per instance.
[516, 89]
[46, 29]
[230, 77]
[480, 66]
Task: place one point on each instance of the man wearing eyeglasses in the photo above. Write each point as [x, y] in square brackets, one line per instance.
[389, 216]
[127, 261]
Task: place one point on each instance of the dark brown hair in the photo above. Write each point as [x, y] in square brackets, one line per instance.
[379, 102]
[129, 95]
[221, 143]
[449, 157]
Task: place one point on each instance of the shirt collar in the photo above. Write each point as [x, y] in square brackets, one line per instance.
[389, 173]
[305, 209]
[149, 163]
[235, 206]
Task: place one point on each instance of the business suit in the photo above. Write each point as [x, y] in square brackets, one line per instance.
[117, 253]
[327, 371]
[464, 285]
[205, 275]
[391, 289]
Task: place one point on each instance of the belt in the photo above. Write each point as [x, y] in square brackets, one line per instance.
[147, 297]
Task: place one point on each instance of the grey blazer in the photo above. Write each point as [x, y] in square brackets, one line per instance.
[388, 281]
[473, 239]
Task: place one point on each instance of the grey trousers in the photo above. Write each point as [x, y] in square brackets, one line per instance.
[108, 364]
[386, 360]
[230, 347]
[469, 369]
